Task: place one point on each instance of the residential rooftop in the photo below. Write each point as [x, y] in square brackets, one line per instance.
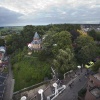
[96, 92]
[97, 76]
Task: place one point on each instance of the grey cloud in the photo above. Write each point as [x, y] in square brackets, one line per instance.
[8, 17]
[72, 15]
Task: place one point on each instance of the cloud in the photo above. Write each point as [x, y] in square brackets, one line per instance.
[52, 11]
[8, 16]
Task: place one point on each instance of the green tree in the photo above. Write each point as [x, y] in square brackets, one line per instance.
[2, 42]
[74, 34]
[92, 33]
[48, 44]
[96, 66]
[63, 40]
[95, 35]
[83, 40]
[87, 53]
[55, 41]
[64, 61]
[14, 42]
[27, 34]
[86, 49]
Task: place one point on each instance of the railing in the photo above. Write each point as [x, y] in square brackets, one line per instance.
[31, 87]
[53, 96]
[67, 73]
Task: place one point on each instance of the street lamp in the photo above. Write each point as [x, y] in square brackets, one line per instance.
[23, 98]
[55, 86]
[79, 67]
[41, 93]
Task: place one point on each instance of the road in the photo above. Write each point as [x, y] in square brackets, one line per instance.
[9, 84]
[72, 93]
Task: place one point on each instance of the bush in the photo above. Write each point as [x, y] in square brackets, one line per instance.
[82, 92]
[27, 73]
[96, 66]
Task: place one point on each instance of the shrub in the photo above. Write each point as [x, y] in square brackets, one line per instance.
[82, 92]
[96, 66]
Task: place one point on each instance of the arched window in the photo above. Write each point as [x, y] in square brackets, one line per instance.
[35, 42]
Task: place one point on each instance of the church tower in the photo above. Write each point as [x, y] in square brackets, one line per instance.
[36, 43]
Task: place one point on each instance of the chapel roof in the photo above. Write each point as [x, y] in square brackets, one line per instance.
[36, 36]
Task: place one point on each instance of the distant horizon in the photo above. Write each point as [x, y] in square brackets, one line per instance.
[54, 24]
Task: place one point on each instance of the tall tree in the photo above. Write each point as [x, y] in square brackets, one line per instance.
[55, 41]
[96, 66]
[92, 33]
[83, 40]
[61, 40]
[64, 61]
[2, 42]
[87, 53]
[86, 49]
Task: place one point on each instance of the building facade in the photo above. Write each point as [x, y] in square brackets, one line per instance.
[36, 43]
[3, 57]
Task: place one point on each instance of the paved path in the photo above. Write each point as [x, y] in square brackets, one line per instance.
[72, 93]
[9, 85]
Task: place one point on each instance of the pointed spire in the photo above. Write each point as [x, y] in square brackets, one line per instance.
[36, 36]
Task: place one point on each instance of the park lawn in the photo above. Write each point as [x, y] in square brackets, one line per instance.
[30, 71]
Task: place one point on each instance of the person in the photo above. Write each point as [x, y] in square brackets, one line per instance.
[70, 85]
[35, 96]
[78, 73]
[85, 75]
[79, 79]
[60, 82]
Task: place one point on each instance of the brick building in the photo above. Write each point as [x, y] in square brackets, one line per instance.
[93, 87]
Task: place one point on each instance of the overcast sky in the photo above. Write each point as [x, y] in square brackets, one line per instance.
[42, 12]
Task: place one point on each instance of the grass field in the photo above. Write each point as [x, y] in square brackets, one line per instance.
[13, 28]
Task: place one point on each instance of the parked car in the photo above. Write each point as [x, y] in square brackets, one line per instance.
[89, 64]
